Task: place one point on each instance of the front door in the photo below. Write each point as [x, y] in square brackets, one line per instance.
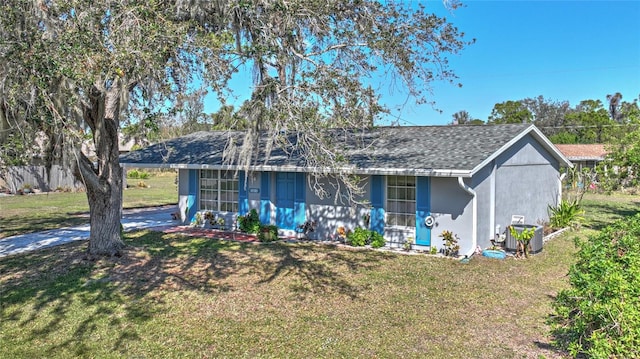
[423, 210]
[285, 200]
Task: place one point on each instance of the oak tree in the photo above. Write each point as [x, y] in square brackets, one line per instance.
[71, 69]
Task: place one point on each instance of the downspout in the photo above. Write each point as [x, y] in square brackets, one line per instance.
[474, 206]
[492, 201]
[562, 176]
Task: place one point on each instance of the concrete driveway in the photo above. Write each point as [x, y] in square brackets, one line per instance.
[132, 219]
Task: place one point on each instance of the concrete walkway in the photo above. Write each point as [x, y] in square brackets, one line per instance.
[132, 219]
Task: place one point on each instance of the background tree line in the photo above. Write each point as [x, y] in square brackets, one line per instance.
[590, 121]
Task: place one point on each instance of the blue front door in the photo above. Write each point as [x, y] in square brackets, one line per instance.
[423, 210]
[285, 200]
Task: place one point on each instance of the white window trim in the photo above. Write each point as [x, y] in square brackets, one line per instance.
[386, 203]
[219, 191]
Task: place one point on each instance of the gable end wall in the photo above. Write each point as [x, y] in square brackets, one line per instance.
[527, 182]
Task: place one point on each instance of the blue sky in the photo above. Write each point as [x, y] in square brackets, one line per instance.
[562, 50]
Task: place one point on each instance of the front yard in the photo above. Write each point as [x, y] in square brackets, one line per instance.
[39, 212]
[172, 296]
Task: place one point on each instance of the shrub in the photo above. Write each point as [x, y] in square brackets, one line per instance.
[268, 233]
[565, 214]
[250, 223]
[599, 315]
[377, 240]
[135, 174]
[359, 237]
[451, 246]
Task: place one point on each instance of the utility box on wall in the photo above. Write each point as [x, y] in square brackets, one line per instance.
[511, 243]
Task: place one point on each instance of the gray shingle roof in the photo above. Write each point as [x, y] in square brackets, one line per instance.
[419, 149]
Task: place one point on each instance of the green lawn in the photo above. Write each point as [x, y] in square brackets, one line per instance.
[171, 296]
[602, 209]
[32, 213]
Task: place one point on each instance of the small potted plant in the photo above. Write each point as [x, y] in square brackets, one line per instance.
[220, 222]
[210, 218]
[343, 233]
[408, 243]
[198, 220]
[451, 246]
[268, 233]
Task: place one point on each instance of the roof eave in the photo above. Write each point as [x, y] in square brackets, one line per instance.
[266, 168]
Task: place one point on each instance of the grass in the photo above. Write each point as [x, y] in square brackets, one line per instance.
[602, 209]
[33, 213]
[172, 296]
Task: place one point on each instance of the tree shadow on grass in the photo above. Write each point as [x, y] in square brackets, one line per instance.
[312, 269]
[62, 299]
[608, 213]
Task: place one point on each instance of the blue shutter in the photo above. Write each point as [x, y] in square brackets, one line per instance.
[243, 200]
[265, 198]
[192, 197]
[299, 200]
[377, 204]
[423, 209]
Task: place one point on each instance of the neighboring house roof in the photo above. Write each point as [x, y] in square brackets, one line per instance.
[591, 152]
[419, 150]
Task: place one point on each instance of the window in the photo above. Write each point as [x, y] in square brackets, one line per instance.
[218, 191]
[401, 201]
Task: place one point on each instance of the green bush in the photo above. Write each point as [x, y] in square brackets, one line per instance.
[565, 214]
[268, 233]
[599, 315]
[377, 240]
[250, 223]
[135, 174]
[359, 237]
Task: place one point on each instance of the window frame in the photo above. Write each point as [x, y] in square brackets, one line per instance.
[222, 195]
[400, 209]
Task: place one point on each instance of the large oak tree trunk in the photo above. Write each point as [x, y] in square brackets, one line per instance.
[103, 177]
[105, 205]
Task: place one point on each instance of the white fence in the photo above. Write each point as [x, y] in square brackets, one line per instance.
[17, 177]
